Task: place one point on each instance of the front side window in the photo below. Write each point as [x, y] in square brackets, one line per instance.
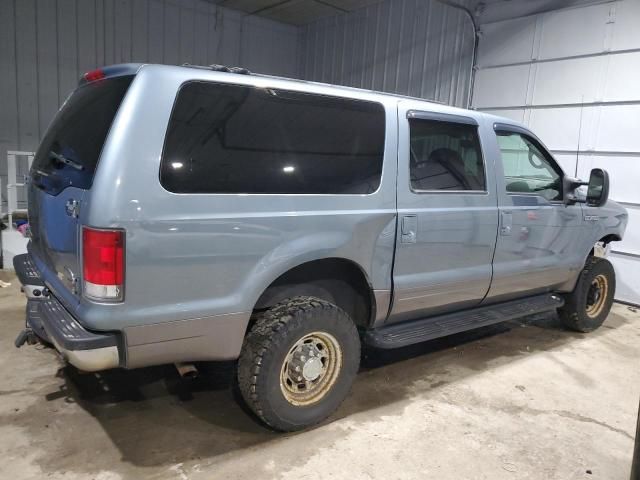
[445, 156]
[226, 138]
[527, 168]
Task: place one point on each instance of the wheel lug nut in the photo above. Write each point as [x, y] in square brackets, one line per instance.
[297, 368]
[303, 358]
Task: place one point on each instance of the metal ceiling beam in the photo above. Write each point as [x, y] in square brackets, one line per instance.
[269, 7]
[266, 9]
[332, 6]
[336, 7]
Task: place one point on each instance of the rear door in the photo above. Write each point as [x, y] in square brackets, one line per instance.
[536, 249]
[447, 214]
[62, 173]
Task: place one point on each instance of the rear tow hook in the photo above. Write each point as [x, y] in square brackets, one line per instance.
[26, 336]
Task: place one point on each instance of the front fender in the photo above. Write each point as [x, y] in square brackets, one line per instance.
[609, 220]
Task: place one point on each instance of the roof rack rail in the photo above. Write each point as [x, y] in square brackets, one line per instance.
[220, 68]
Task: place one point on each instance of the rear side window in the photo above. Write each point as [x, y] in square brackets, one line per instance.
[445, 156]
[68, 154]
[237, 139]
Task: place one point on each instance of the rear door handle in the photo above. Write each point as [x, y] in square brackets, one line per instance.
[506, 223]
[408, 228]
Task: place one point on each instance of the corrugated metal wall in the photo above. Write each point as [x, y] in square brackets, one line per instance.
[573, 76]
[421, 48]
[45, 45]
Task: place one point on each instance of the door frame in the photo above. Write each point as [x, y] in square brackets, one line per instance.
[410, 202]
[519, 201]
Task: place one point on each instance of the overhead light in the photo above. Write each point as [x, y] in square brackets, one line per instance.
[288, 169]
[177, 165]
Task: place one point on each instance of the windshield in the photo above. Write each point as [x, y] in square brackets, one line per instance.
[69, 152]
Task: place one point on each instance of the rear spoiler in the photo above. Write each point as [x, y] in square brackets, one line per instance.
[110, 71]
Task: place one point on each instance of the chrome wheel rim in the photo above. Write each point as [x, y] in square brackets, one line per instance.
[310, 368]
[597, 295]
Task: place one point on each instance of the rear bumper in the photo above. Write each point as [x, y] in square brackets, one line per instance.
[49, 320]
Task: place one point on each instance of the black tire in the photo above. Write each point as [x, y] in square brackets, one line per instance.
[275, 338]
[584, 310]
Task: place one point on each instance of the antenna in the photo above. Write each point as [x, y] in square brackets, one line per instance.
[575, 174]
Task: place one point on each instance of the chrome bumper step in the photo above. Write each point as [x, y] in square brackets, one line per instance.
[48, 320]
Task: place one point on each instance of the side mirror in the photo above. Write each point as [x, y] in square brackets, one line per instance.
[598, 189]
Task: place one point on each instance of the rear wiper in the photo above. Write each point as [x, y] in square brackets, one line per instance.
[65, 160]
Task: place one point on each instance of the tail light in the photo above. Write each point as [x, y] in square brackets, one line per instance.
[103, 264]
[94, 75]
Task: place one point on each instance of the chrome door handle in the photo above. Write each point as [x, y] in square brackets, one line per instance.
[506, 223]
[409, 228]
[72, 207]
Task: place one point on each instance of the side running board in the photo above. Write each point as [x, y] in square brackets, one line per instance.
[416, 331]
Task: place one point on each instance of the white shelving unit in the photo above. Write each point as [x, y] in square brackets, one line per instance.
[13, 242]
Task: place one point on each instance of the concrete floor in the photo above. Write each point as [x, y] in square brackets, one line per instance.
[526, 399]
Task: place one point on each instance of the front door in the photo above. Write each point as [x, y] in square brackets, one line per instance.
[538, 235]
[447, 214]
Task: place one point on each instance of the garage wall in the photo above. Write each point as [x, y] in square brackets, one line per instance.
[46, 45]
[421, 48]
[573, 76]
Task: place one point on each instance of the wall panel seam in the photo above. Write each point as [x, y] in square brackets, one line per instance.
[560, 59]
[612, 103]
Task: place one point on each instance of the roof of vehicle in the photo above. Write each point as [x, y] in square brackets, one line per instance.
[343, 88]
[243, 74]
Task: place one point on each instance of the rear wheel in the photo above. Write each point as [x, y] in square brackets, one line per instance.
[298, 362]
[590, 302]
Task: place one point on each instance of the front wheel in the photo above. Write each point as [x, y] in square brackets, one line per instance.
[298, 362]
[590, 302]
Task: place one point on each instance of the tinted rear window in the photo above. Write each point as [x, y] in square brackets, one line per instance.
[445, 156]
[69, 152]
[237, 139]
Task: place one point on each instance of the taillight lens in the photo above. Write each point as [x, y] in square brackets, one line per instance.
[103, 264]
[94, 75]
